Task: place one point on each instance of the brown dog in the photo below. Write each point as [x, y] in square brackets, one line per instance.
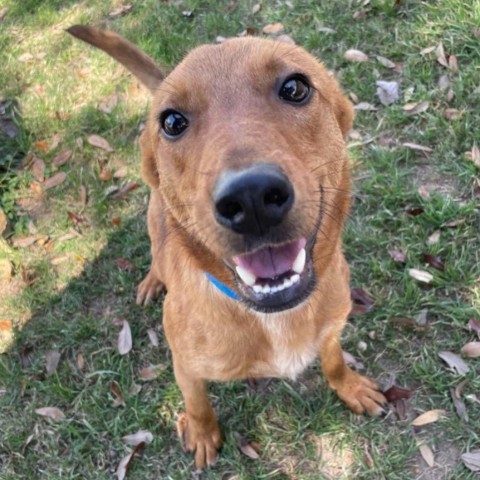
[244, 152]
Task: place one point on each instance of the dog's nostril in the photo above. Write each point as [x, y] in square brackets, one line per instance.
[230, 209]
[276, 197]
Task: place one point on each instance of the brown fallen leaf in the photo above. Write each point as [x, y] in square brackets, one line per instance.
[455, 223]
[420, 275]
[424, 192]
[385, 61]
[434, 261]
[474, 155]
[124, 264]
[142, 436]
[434, 238]
[458, 403]
[398, 256]
[83, 195]
[427, 50]
[38, 168]
[80, 361]
[427, 454]
[6, 325]
[24, 242]
[471, 349]
[4, 223]
[455, 362]
[42, 145]
[54, 180]
[351, 361]
[395, 393]
[256, 8]
[125, 461]
[440, 53]
[416, 108]
[428, 417]
[51, 412]
[472, 460]
[52, 357]
[248, 448]
[152, 335]
[453, 63]
[105, 174]
[416, 146]
[124, 342]
[362, 297]
[120, 11]
[474, 325]
[151, 372]
[387, 92]
[116, 391]
[273, 28]
[109, 104]
[62, 158]
[452, 114]
[365, 106]
[443, 82]
[3, 13]
[124, 190]
[121, 172]
[354, 55]
[99, 142]
[76, 219]
[285, 39]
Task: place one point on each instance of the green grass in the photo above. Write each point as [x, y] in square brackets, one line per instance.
[304, 431]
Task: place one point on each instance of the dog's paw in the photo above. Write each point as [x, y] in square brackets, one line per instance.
[360, 394]
[204, 442]
[149, 289]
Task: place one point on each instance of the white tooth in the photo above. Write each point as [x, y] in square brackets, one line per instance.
[257, 288]
[266, 289]
[299, 263]
[274, 289]
[287, 283]
[247, 277]
[280, 287]
[295, 278]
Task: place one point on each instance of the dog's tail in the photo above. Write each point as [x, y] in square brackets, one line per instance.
[131, 57]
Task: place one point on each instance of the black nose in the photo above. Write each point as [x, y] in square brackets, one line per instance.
[253, 200]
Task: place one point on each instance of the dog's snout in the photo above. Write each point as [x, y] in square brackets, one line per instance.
[253, 200]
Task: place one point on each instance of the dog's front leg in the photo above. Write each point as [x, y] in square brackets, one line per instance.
[358, 392]
[198, 427]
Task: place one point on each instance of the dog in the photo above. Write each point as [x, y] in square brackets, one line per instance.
[244, 152]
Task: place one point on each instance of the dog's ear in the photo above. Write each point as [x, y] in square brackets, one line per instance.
[343, 110]
[131, 57]
[149, 165]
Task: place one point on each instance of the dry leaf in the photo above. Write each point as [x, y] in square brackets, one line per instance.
[395, 393]
[116, 391]
[428, 417]
[452, 114]
[417, 147]
[4, 223]
[450, 95]
[80, 361]
[124, 339]
[420, 275]
[3, 12]
[441, 58]
[51, 412]
[273, 28]
[38, 168]
[460, 408]
[99, 142]
[105, 175]
[24, 242]
[152, 335]
[423, 192]
[365, 106]
[385, 61]
[474, 325]
[471, 349]
[142, 436]
[434, 261]
[434, 238]
[427, 50]
[427, 454]
[52, 357]
[25, 57]
[248, 448]
[109, 104]
[151, 372]
[121, 172]
[455, 362]
[472, 460]
[83, 195]
[124, 264]
[55, 180]
[125, 462]
[326, 30]
[354, 55]
[443, 82]
[474, 155]
[387, 92]
[452, 63]
[256, 8]
[122, 10]
[62, 158]
[125, 189]
[416, 108]
[285, 39]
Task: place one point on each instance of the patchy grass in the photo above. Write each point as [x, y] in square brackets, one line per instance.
[65, 293]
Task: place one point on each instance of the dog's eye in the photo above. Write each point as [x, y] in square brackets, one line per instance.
[295, 89]
[173, 123]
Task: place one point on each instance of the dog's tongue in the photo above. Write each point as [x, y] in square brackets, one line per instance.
[270, 262]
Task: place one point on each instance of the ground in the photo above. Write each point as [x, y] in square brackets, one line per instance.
[72, 255]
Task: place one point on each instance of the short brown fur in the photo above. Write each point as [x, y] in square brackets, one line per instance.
[237, 120]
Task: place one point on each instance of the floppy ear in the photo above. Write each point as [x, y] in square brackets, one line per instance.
[149, 165]
[344, 112]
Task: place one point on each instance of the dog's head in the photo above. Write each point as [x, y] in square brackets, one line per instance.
[245, 142]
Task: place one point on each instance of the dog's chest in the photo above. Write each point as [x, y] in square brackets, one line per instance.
[288, 358]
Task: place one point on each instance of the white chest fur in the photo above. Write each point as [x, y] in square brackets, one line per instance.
[287, 360]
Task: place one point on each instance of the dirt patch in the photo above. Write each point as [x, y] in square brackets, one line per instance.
[428, 176]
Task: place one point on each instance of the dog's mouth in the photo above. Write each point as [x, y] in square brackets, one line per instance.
[275, 277]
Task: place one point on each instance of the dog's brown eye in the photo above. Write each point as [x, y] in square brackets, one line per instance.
[295, 89]
[173, 123]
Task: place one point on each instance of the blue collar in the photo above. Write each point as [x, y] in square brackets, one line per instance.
[223, 288]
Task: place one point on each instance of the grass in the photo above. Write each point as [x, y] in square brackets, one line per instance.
[65, 294]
